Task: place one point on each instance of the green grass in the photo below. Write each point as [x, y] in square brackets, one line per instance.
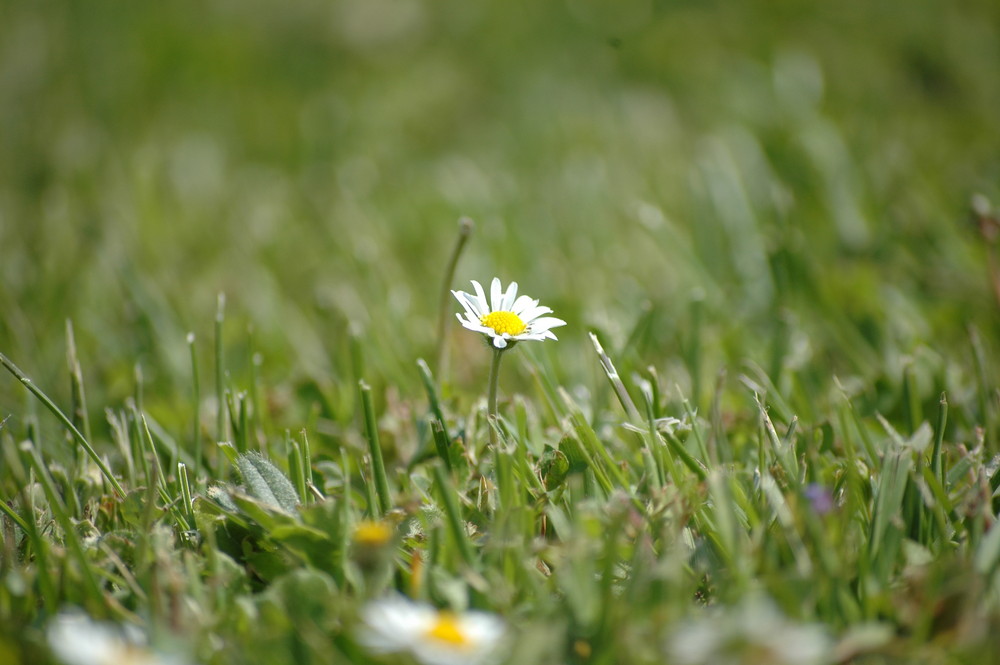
[224, 230]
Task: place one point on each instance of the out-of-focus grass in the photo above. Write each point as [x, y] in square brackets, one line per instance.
[777, 190]
[792, 164]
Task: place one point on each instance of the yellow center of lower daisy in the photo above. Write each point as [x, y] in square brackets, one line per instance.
[447, 629]
[372, 534]
[504, 322]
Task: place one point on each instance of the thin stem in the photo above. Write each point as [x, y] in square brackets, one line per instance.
[195, 408]
[465, 226]
[220, 372]
[491, 408]
[939, 438]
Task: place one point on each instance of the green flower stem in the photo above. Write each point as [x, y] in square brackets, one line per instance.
[491, 407]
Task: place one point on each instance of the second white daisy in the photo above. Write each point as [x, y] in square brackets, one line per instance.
[506, 318]
[75, 639]
[434, 637]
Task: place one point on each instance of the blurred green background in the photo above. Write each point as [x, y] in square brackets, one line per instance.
[800, 171]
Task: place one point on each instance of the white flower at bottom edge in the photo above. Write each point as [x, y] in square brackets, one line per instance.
[506, 318]
[434, 637]
[76, 639]
[755, 631]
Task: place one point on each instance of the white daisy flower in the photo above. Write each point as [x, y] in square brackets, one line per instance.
[76, 639]
[506, 319]
[752, 633]
[434, 637]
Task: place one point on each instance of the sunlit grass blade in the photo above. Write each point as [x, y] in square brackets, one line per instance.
[375, 451]
[220, 372]
[884, 535]
[296, 466]
[77, 393]
[453, 517]
[621, 392]
[942, 421]
[196, 439]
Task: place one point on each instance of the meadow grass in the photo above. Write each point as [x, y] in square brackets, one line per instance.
[236, 408]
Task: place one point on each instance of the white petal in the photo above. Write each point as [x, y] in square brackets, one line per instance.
[499, 342]
[76, 640]
[509, 297]
[533, 313]
[496, 295]
[481, 329]
[394, 624]
[546, 322]
[471, 305]
[523, 303]
[481, 297]
[485, 633]
[436, 654]
[460, 297]
[482, 627]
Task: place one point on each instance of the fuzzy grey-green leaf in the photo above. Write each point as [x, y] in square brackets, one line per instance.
[265, 482]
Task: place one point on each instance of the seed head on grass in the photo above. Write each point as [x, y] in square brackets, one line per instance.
[434, 637]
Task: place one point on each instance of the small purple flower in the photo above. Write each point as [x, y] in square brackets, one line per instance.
[820, 498]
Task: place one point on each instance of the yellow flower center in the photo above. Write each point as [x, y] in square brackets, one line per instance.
[129, 654]
[447, 629]
[504, 322]
[372, 534]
